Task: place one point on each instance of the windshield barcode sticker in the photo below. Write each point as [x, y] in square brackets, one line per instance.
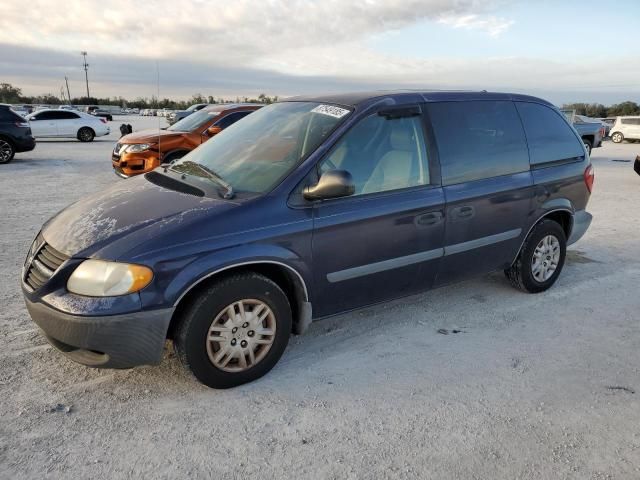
[331, 110]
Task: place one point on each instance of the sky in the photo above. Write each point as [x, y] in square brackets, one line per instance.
[564, 51]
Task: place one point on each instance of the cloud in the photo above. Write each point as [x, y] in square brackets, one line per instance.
[493, 25]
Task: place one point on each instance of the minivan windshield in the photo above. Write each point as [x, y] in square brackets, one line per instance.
[255, 154]
[193, 121]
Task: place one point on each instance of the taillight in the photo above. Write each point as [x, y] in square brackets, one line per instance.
[22, 124]
[103, 120]
[589, 177]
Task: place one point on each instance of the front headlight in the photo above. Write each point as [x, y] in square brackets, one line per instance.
[98, 278]
[137, 147]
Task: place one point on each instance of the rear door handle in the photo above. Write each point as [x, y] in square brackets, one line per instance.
[431, 218]
[464, 212]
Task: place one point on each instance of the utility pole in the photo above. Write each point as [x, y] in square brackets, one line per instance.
[66, 80]
[86, 67]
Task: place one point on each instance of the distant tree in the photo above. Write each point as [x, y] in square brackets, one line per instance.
[10, 94]
[624, 108]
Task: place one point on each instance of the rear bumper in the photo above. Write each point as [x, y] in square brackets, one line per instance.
[25, 144]
[116, 341]
[581, 221]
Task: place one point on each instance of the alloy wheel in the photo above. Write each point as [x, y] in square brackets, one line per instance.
[6, 151]
[545, 259]
[241, 335]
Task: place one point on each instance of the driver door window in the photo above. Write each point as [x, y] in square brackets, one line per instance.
[382, 153]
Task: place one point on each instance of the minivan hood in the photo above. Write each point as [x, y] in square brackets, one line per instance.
[148, 136]
[130, 208]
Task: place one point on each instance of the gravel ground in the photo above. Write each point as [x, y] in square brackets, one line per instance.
[536, 387]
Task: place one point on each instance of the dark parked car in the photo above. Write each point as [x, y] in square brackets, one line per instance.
[102, 113]
[334, 202]
[15, 135]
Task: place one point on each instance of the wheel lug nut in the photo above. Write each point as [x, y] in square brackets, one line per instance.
[233, 342]
[245, 324]
[243, 343]
[234, 329]
[251, 333]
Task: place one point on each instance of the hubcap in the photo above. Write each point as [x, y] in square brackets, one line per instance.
[241, 335]
[5, 151]
[545, 259]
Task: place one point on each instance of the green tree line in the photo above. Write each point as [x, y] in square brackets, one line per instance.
[12, 94]
[597, 110]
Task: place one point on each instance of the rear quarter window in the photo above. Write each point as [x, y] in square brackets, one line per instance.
[550, 138]
[478, 139]
[7, 116]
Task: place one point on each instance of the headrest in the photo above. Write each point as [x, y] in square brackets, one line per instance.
[401, 138]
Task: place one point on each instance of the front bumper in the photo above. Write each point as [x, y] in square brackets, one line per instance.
[581, 221]
[127, 165]
[114, 341]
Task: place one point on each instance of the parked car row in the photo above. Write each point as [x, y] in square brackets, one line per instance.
[304, 209]
[141, 152]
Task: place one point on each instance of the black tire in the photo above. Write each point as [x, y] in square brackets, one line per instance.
[193, 327]
[617, 137]
[7, 151]
[520, 274]
[85, 134]
[588, 144]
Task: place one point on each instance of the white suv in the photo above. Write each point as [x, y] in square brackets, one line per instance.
[625, 128]
[67, 124]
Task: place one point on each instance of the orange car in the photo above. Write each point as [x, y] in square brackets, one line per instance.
[141, 152]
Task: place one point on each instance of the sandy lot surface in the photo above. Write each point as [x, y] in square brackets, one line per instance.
[535, 387]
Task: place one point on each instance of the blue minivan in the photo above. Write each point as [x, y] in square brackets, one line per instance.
[308, 208]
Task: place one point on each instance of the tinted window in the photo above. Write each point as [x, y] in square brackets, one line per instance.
[548, 135]
[231, 119]
[478, 139]
[382, 154]
[62, 115]
[7, 115]
[50, 115]
[630, 121]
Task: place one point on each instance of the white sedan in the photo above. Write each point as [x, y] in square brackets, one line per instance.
[67, 124]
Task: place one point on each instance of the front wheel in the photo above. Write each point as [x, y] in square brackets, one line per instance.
[7, 151]
[85, 134]
[617, 137]
[541, 258]
[235, 331]
[587, 146]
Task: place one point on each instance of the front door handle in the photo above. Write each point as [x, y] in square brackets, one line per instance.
[431, 218]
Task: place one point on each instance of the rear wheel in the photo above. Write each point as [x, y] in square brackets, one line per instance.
[617, 137]
[235, 331]
[85, 134]
[541, 258]
[7, 151]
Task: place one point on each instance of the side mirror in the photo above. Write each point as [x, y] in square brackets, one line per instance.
[211, 131]
[332, 184]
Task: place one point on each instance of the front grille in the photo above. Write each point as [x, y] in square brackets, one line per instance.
[44, 261]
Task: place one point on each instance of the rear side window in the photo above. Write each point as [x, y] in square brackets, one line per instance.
[630, 121]
[231, 119]
[478, 139]
[7, 116]
[62, 115]
[549, 137]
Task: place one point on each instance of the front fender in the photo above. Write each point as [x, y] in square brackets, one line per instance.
[189, 272]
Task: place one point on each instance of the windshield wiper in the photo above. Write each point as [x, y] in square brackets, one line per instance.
[211, 175]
